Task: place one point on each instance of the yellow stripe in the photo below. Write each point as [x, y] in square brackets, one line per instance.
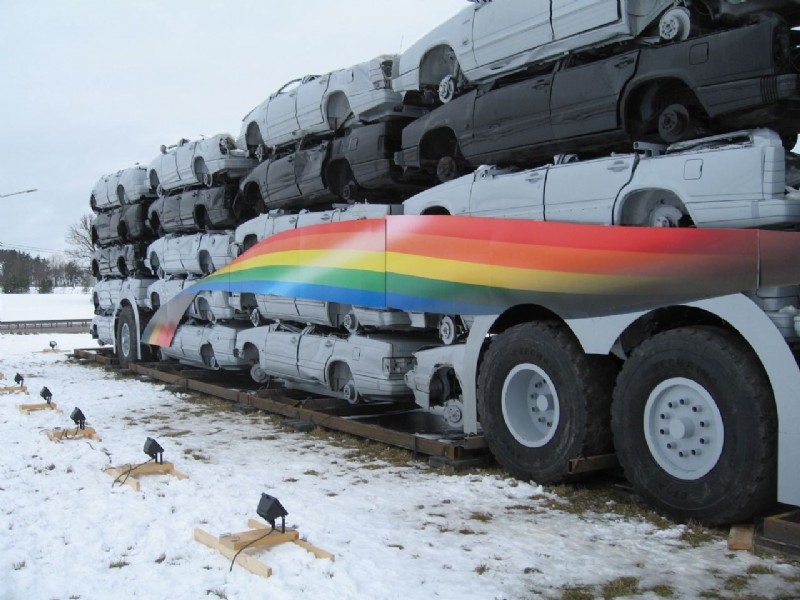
[328, 259]
[534, 280]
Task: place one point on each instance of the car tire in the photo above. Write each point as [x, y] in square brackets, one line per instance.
[127, 338]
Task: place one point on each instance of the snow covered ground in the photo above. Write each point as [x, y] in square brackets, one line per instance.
[66, 304]
[399, 529]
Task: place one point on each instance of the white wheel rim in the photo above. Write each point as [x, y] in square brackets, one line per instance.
[530, 404]
[125, 339]
[683, 428]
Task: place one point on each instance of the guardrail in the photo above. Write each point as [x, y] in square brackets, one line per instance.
[45, 324]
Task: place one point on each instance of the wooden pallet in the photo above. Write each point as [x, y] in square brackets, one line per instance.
[29, 408]
[14, 389]
[64, 435]
[129, 474]
[256, 537]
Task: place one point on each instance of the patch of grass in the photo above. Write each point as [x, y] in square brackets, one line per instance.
[312, 473]
[696, 535]
[622, 586]
[531, 570]
[331, 494]
[466, 531]
[398, 546]
[118, 564]
[162, 557]
[577, 593]
[18, 566]
[760, 570]
[736, 583]
[481, 516]
[662, 591]
[173, 434]
[218, 593]
[481, 568]
[290, 480]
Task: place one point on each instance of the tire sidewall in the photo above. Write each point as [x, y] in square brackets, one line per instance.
[548, 462]
[742, 454]
[126, 320]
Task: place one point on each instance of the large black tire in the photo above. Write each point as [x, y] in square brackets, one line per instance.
[695, 426]
[127, 338]
[543, 402]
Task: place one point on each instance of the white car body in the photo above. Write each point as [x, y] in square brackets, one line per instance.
[107, 293]
[209, 347]
[102, 329]
[492, 38]
[201, 162]
[353, 367]
[119, 261]
[319, 104]
[128, 186]
[198, 254]
[733, 180]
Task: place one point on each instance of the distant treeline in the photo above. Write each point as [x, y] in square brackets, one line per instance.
[19, 272]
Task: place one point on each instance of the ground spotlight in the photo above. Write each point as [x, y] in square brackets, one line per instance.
[46, 394]
[19, 379]
[154, 450]
[53, 344]
[270, 509]
[78, 418]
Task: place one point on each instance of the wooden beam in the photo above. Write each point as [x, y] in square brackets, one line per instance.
[245, 560]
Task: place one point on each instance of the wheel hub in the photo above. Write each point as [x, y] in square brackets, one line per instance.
[125, 339]
[683, 428]
[530, 405]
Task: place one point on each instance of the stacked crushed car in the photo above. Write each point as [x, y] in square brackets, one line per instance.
[527, 83]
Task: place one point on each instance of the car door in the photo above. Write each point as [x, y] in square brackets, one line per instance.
[573, 17]
[312, 355]
[585, 192]
[280, 353]
[310, 118]
[308, 166]
[281, 179]
[509, 195]
[505, 28]
[282, 114]
[184, 156]
[512, 116]
[585, 97]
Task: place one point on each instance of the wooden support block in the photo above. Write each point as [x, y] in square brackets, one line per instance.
[245, 560]
[63, 435]
[741, 537]
[130, 473]
[258, 536]
[29, 408]
[14, 389]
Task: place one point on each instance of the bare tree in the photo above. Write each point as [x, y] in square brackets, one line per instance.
[79, 238]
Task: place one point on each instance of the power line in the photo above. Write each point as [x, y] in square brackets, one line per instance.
[16, 193]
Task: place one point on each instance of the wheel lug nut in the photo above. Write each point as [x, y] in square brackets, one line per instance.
[663, 417]
[681, 454]
[702, 440]
[549, 424]
[695, 452]
[695, 409]
[669, 446]
[662, 431]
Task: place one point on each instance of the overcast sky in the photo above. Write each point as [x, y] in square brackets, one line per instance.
[88, 87]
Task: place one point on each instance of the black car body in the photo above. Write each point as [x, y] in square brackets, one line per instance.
[192, 210]
[600, 101]
[317, 171]
[119, 225]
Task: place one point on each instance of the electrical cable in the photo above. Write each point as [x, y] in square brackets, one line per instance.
[235, 556]
[127, 473]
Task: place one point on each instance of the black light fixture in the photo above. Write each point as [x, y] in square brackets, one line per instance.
[78, 418]
[46, 394]
[154, 450]
[19, 379]
[270, 509]
[53, 344]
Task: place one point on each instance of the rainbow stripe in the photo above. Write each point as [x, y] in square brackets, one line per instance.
[476, 265]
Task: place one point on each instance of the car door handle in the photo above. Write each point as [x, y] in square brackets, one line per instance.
[325, 217]
[328, 343]
[624, 63]
[293, 340]
[618, 165]
[540, 85]
[534, 178]
[290, 159]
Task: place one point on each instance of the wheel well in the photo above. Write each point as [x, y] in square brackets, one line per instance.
[250, 353]
[250, 240]
[436, 64]
[153, 177]
[206, 264]
[95, 237]
[252, 193]
[200, 214]
[199, 166]
[336, 174]
[121, 194]
[337, 110]
[339, 373]
[436, 144]
[154, 262]
[636, 208]
[252, 135]
[641, 105]
[436, 210]
[523, 314]
[155, 300]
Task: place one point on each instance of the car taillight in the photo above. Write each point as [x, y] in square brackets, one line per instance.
[397, 366]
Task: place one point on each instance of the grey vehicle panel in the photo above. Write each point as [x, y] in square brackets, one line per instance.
[198, 254]
[120, 261]
[194, 210]
[206, 347]
[600, 105]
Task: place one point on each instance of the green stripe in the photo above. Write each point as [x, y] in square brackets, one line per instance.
[351, 278]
